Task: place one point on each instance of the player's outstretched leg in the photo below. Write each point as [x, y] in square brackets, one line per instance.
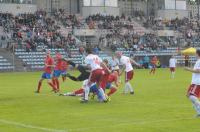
[53, 86]
[112, 91]
[196, 104]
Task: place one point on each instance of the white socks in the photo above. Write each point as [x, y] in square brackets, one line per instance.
[196, 103]
[128, 87]
[102, 93]
[172, 74]
[86, 92]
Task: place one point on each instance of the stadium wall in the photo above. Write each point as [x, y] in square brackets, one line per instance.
[90, 10]
[172, 14]
[18, 8]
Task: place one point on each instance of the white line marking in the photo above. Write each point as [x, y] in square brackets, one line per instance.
[136, 122]
[30, 126]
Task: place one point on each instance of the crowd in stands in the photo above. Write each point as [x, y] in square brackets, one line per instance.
[29, 31]
[187, 28]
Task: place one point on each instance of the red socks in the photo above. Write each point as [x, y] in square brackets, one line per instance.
[112, 91]
[53, 86]
[79, 91]
[57, 84]
[63, 79]
[39, 86]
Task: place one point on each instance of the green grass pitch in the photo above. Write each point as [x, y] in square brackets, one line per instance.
[159, 105]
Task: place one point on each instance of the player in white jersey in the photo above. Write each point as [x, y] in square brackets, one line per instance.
[127, 67]
[114, 63]
[97, 71]
[194, 89]
[172, 66]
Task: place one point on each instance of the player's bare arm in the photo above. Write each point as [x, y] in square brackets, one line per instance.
[105, 67]
[134, 63]
[192, 70]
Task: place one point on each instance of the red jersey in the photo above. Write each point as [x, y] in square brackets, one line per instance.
[154, 60]
[112, 78]
[48, 61]
[64, 65]
[58, 61]
[104, 79]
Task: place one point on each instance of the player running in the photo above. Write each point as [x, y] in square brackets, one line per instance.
[194, 89]
[57, 70]
[127, 67]
[172, 66]
[64, 70]
[153, 63]
[48, 68]
[97, 71]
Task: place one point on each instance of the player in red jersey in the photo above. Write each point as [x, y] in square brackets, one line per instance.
[153, 63]
[113, 78]
[64, 70]
[57, 70]
[49, 64]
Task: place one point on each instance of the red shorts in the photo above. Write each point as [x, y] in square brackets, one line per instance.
[194, 90]
[172, 69]
[96, 76]
[129, 75]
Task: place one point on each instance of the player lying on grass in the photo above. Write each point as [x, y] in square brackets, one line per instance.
[194, 89]
[112, 78]
[127, 62]
[49, 64]
[80, 92]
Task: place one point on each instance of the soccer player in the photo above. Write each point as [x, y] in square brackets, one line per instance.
[153, 63]
[84, 70]
[64, 70]
[97, 71]
[49, 64]
[194, 89]
[172, 66]
[57, 70]
[114, 64]
[127, 67]
[112, 78]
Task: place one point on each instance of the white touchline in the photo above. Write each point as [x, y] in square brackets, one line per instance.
[30, 126]
[136, 122]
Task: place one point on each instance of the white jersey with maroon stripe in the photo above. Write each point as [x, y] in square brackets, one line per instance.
[196, 76]
[93, 61]
[124, 60]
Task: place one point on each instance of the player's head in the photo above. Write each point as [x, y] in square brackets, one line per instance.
[88, 51]
[105, 61]
[48, 53]
[198, 53]
[118, 54]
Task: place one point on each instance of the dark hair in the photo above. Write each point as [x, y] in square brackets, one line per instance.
[198, 52]
[88, 50]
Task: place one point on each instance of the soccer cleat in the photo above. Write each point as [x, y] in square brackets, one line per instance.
[92, 97]
[132, 93]
[197, 116]
[37, 91]
[67, 75]
[61, 94]
[84, 101]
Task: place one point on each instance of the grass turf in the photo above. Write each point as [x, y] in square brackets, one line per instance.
[159, 105]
